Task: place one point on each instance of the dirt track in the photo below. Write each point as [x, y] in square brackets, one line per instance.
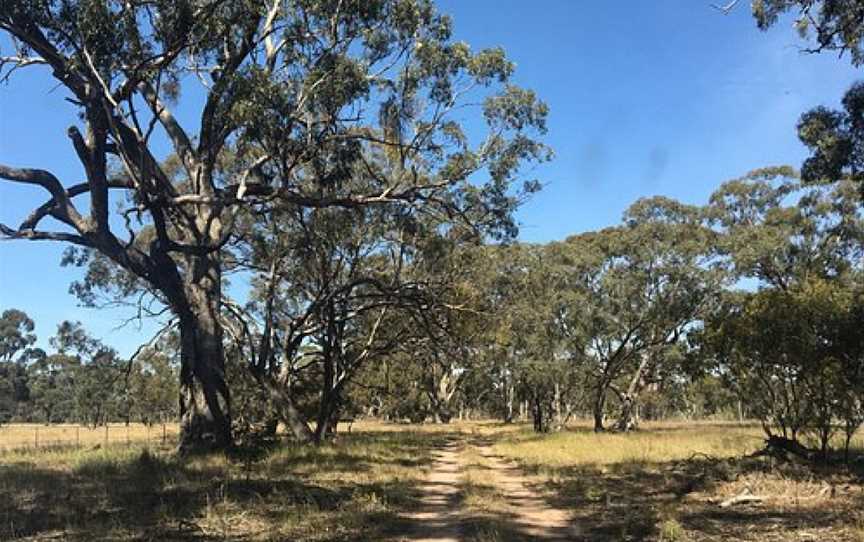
[441, 519]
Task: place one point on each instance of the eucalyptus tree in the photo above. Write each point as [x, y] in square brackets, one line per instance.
[774, 230]
[327, 284]
[636, 289]
[151, 385]
[524, 347]
[794, 356]
[834, 137]
[791, 349]
[503, 269]
[835, 140]
[16, 334]
[834, 25]
[448, 339]
[16, 350]
[293, 94]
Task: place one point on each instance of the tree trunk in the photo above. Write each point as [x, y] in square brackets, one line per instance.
[509, 398]
[598, 409]
[627, 421]
[441, 394]
[541, 424]
[557, 408]
[205, 406]
[279, 392]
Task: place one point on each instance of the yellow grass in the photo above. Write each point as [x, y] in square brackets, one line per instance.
[354, 489]
[36, 435]
[32, 435]
[661, 483]
[665, 483]
[656, 442]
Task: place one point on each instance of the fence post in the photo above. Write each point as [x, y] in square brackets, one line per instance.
[36, 439]
[147, 425]
[106, 434]
[163, 432]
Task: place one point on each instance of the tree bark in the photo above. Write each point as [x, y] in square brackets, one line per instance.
[205, 404]
[279, 392]
[441, 393]
[627, 420]
[598, 409]
[541, 421]
[509, 397]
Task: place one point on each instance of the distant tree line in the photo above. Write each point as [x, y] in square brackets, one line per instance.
[81, 380]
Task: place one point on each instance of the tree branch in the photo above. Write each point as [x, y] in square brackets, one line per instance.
[64, 208]
[179, 138]
[32, 235]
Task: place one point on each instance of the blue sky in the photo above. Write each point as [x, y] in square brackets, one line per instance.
[650, 97]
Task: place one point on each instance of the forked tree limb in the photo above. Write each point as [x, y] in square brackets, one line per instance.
[63, 207]
[49, 207]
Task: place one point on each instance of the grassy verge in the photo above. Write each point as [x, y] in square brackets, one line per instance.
[351, 490]
[666, 481]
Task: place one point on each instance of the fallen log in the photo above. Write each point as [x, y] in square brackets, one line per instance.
[744, 497]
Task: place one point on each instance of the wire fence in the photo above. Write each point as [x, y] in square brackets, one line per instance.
[35, 436]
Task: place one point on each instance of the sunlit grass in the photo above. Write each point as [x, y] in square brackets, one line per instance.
[654, 443]
[35, 435]
[478, 494]
[665, 481]
[354, 489]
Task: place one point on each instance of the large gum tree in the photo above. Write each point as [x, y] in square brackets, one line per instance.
[285, 102]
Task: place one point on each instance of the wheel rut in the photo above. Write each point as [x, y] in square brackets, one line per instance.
[441, 517]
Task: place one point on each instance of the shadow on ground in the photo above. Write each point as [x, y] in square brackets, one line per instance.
[649, 500]
[353, 490]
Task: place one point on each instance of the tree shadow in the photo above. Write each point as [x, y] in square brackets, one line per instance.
[123, 494]
[632, 500]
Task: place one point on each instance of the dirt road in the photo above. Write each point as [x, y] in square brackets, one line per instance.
[525, 514]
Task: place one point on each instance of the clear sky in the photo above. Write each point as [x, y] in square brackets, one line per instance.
[648, 97]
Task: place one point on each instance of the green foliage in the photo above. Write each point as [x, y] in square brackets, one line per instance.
[795, 356]
[339, 124]
[83, 380]
[835, 141]
[791, 349]
[16, 350]
[835, 25]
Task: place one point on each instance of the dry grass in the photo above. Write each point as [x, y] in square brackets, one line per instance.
[33, 435]
[351, 490]
[656, 442]
[662, 483]
[665, 483]
[478, 494]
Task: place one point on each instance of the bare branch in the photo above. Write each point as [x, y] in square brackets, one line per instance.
[32, 235]
[18, 62]
[179, 138]
[49, 207]
[64, 208]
